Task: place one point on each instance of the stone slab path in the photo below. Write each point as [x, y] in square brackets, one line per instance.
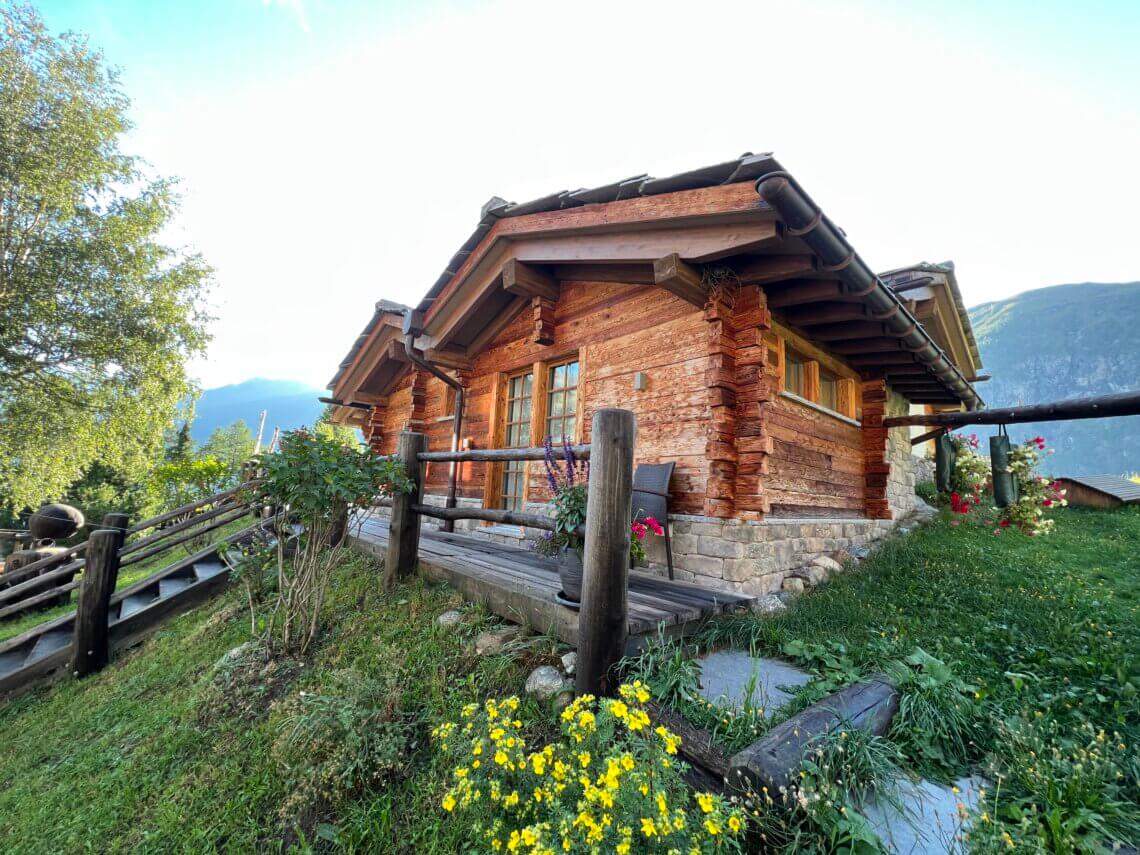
[728, 675]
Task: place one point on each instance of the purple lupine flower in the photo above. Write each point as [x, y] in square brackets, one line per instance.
[569, 455]
[551, 466]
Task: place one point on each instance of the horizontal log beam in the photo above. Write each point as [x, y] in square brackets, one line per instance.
[774, 268]
[630, 274]
[881, 344]
[525, 280]
[448, 357]
[826, 313]
[901, 357]
[679, 278]
[803, 292]
[495, 515]
[848, 331]
[1098, 407]
[474, 455]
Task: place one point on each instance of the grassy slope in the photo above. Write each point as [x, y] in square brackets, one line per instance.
[1061, 611]
[149, 756]
[146, 757]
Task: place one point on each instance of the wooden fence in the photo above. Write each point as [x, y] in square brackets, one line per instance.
[604, 616]
[105, 553]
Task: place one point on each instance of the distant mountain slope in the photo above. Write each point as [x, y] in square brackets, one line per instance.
[290, 404]
[1064, 342]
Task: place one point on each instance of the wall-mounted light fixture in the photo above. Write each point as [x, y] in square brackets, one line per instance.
[640, 381]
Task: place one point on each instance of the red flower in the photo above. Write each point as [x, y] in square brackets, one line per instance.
[1004, 523]
[1048, 503]
[655, 526]
[638, 530]
[954, 498]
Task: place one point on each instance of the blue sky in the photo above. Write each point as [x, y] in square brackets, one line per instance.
[335, 152]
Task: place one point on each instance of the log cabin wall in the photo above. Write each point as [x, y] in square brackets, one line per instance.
[714, 404]
[613, 330]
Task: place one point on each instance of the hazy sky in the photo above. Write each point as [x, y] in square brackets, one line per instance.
[333, 152]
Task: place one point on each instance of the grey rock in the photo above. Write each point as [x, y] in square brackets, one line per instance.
[793, 585]
[811, 574]
[859, 552]
[563, 700]
[829, 565]
[545, 682]
[569, 661]
[928, 822]
[448, 619]
[769, 604]
[494, 640]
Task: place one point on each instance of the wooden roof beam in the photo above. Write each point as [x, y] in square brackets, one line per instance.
[802, 292]
[396, 351]
[902, 357]
[826, 313]
[774, 268]
[880, 344]
[849, 331]
[448, 357]
[679, 278]
[525, 280]
[629, 274]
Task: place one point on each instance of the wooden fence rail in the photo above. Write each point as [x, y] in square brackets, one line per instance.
[604, 617]
[475, 455]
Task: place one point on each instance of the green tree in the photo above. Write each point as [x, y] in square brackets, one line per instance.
[182, 448]
[232, 445]
[345, 435]
[97, 316]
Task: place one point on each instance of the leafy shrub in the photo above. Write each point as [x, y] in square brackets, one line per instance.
[319, 483]
[338, 742]
[612, 782]
[927, 491]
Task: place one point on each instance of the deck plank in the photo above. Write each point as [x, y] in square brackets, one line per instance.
[520, 586]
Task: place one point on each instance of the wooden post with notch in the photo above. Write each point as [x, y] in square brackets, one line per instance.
[91, 650]
[603, 622]
[404, 524]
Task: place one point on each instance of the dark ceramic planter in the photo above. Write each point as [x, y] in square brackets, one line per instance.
[570, 572]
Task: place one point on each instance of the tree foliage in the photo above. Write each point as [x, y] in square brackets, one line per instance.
[232, 445]
[97, 315]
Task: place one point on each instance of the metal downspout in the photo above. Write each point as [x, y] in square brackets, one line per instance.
[457, 425]
[804, 219]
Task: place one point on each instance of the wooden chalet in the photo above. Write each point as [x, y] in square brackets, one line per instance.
[758, 351]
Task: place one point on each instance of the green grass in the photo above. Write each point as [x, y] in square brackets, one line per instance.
[1045, 632]
[165, 752]
[130, 574]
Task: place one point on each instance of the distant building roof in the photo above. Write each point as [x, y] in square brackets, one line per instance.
[1128, 492]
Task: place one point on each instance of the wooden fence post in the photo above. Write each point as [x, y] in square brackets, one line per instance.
[90, 648]
[404, 524]
[603, 622]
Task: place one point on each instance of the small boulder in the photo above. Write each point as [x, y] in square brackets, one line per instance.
[793, 585]
[769, 604]
[233, 656]
[828, 565]
[494, 640]
[545, 682]
[569, 660]
[449, 618]
[811, 574]
[859, 553]
[563, 700]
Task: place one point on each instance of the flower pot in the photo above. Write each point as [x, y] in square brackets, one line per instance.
[570, 573]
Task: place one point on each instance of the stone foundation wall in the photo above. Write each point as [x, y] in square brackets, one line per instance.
[900, 482]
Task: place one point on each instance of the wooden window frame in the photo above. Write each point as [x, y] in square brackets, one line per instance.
[847, 387]
[544, 426]
[500, 388]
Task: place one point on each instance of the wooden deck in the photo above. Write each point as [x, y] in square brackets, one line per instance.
[518, 585]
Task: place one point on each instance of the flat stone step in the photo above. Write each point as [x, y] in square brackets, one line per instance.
[136, 603]
[208, 569]
[171, 585]
[49, 643]
[925, 820]
[728, 676]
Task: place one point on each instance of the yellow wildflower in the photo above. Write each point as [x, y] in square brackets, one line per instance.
[647, 827]
[448, 802]
[705, 800]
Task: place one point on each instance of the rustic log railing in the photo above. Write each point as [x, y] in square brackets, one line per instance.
[24, 588]
[603, 621]
[1071, 409]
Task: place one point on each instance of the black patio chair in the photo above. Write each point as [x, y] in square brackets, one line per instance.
[651, 499]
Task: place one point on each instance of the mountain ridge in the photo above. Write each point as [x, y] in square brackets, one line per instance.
[289, 404]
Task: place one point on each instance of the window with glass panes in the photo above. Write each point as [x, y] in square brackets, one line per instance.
[517, 433]
[828, 389]
[562, 401]
[793, 372]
